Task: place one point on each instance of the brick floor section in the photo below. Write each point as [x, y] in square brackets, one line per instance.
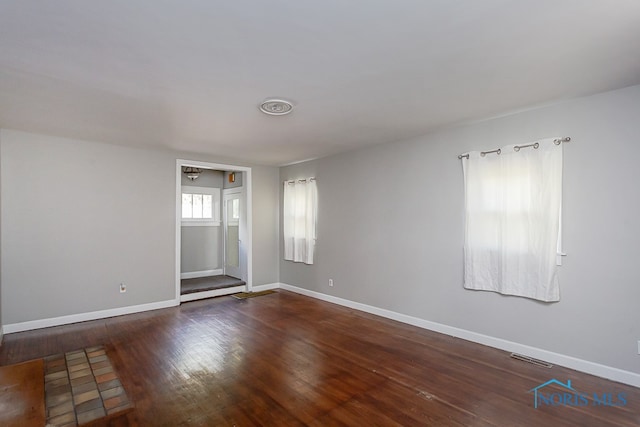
[80, 387]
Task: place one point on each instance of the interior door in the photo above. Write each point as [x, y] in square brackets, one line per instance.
[232, 242]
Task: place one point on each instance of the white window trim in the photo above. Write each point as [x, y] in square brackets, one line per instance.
[200, 222]
[192, 189]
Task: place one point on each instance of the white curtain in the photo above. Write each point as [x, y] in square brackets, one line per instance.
[300, 214]
[513, 201]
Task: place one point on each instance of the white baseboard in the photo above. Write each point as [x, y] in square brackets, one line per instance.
[83, 317]
[615, 374]
[203, 273]
[226, 291]
[212, 293]
[102, 314]
[267, 287]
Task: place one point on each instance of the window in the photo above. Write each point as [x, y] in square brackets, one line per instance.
[196, 206]
[512, 217]
[235, 209]
[200, 206]
[300, 213]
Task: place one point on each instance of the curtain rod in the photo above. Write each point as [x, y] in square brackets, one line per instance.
[516, 148]
[301, 180]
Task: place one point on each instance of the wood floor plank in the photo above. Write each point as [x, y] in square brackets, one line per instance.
[289, 360]
[22, 394]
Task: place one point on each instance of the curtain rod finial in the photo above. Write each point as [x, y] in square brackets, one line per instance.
[558, 141]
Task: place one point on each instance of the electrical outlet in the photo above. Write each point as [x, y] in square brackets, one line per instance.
[330, 282]
[123, 288]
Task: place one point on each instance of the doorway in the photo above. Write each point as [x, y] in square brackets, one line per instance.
[234, 226]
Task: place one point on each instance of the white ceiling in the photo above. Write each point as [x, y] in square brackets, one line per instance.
[189, 75]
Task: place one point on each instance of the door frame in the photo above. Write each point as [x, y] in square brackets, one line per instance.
[178, 212]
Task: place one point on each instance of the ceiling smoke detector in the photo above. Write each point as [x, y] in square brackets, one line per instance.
[276, 107]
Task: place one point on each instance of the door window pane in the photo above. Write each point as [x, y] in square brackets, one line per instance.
[235, 209]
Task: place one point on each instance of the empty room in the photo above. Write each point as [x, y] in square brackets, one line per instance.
[306, 213]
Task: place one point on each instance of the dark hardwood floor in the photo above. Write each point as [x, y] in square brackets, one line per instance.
[289, 360]
[21, 394]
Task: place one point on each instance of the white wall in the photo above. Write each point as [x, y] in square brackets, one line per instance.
[201, 248]
[79, 217]
[236, 183]
[390, 230]
[266, 214]
[1, 328]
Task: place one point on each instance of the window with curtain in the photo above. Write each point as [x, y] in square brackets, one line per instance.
[513, 205]
[300, 213]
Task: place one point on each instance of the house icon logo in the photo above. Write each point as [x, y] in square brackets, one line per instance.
[535, 390]
[562, 394]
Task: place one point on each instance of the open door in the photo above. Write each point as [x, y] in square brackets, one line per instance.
[232, 205]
